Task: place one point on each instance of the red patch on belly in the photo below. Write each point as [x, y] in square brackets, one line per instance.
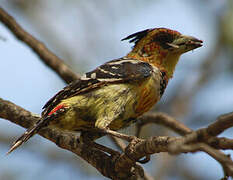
[56, 109]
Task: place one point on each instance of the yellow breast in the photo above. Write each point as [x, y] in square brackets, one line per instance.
[116, 104]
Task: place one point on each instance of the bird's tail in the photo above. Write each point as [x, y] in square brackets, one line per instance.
[29, 133]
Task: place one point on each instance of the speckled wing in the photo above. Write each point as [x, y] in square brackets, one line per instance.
[122, 70]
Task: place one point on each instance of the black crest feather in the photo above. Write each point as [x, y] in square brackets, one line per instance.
[136, 37]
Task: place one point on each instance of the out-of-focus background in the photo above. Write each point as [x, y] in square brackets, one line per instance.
[87, 33]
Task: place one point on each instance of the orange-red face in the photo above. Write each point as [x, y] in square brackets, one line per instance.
[163, 41]
[161, 47]
[162, 37]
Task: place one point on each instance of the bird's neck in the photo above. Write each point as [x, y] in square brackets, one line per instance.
[164, 61]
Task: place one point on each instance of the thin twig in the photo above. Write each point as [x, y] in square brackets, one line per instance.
[49, 58]
[165, 120]
[204, 134]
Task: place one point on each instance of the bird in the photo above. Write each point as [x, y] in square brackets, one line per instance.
[116, 93]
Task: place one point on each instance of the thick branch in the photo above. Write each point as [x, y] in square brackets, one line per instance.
[193, 141]
[39, 48]
[201, 140]
[101, 161]
[209, 133]
[204, 134]
[223, 122]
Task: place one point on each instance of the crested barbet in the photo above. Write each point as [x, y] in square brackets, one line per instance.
[115, 94]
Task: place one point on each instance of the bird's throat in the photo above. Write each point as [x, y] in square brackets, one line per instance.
[169, 64]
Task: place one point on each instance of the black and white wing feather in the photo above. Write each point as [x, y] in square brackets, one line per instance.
[122, 70]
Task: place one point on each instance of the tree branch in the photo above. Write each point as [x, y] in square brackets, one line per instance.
[193, 141]
[101, 161]
[162, 119]
[123, 166]
[133, 152]
[39, 48]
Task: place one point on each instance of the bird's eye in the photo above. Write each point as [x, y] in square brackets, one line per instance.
[163, 39]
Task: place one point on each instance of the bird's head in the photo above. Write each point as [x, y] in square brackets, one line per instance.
[161, 47]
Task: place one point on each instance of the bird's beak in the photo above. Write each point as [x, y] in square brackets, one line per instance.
[184, 44]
